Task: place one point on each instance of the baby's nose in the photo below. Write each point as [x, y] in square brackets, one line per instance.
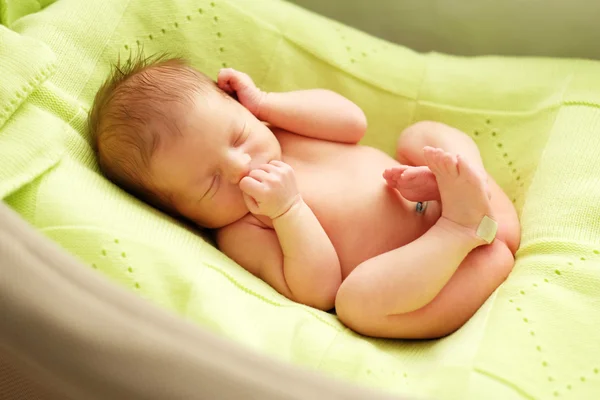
[238, 166]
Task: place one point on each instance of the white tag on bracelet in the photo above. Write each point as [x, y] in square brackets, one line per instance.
[487, 229]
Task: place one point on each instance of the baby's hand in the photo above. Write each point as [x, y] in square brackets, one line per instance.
[241, 85]
[270, 190]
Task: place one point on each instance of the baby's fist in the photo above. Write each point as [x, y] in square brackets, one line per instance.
[271, 189]
[241, 85]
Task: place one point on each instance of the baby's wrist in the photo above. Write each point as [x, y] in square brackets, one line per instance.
[295, 205]
[262, 108]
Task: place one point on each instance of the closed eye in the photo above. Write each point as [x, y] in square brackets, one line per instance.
[240, 137]
[212, 189]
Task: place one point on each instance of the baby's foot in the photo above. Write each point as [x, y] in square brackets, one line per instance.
[413, 183]
[463, 190]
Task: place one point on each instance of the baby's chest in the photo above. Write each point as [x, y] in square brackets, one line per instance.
[346, 196]
[341, 183]
[344, 187]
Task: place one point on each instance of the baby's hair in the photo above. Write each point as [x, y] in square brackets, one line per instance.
[129, 118]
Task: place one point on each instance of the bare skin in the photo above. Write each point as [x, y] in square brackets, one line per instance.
[478, 275]
[414, 183]
[311, 214]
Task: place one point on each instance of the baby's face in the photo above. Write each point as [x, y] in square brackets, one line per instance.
[220, 142]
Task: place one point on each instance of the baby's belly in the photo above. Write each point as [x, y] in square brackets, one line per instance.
[360, 233]
[361, 215]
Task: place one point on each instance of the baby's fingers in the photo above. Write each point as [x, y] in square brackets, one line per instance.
[226, 87]
[224, 76]
[252, 187]
[251, 204]
[240, 80]
[259, 174]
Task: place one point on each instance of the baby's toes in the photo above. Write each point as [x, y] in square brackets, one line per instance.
[437, 165]
[448, 162]
[430, 154]
[395, 173]
[390, 182]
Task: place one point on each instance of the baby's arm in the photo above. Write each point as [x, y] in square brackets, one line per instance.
[317, 113]
[296, 258]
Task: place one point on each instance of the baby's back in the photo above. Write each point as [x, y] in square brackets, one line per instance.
[343, 185]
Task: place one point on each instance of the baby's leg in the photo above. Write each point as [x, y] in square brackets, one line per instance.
[435, 134]
[480, 273]
[406, 279]
[413, 179]
[477, 277]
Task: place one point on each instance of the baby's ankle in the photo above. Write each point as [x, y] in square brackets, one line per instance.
[465, 233]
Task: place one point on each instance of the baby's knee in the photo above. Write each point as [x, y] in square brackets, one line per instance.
[424, 128]
[427, 131]
[347, 306]
[352, 309]
[409, 147]
[501, 259]
[411, 141]
[509, 232]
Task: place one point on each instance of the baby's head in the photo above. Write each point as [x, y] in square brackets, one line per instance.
[167, 134]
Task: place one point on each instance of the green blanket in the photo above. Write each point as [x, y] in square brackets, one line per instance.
[536, 121]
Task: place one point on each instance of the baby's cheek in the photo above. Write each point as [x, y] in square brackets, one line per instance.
[230, 199]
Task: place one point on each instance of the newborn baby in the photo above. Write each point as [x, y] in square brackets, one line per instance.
[402, 248]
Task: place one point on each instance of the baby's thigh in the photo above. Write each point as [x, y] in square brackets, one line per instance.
[509, 229]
